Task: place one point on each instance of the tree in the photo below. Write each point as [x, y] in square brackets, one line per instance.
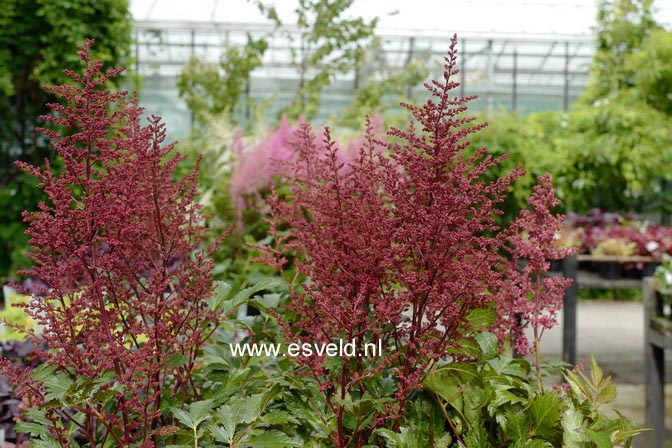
[329, 45]
[383, 87]
[622, 25]
[36, 40]
[616, 150]
[652, 78]
[215, 89]
[615, 156]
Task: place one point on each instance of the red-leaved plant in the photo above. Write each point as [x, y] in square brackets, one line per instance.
[402, 248]
[119, 246]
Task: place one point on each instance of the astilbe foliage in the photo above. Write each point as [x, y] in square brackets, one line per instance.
[119, 245]
[400, 246]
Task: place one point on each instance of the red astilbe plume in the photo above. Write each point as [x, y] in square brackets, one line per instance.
[528, 298]
[401, 247]
[118, 244]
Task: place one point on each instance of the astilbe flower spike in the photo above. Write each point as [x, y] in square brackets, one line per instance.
[119, 245]
[531, 239]
[256, 166]
[399, 247]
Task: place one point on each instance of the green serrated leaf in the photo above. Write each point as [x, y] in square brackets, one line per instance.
[596, 372]
[245, 294]
[601, 439]
[482, 318]
[467, 347]
[104, 396]
[176, 360]
[505, 396]
[31, 428]
[231, 415]
[43, 371]
[475, 399]
[446, 384]
[200, 410]
[252, 407]
[411, 438]
[270, 439]
[519, 368]
[184, 417]
[38, 416]
[267, 301]
[488, 343]
[603, 423]
[221, 292]
[545, 413]
[58, 386]
[476, 436]
[467, 372]
[606, 394]
[624, 436]
[393, 439]
[278, 417]
[221, 434]
[517, 426]
[44, 443]
[578, 385]
[499, 364]
[499, 418]
[572, 428]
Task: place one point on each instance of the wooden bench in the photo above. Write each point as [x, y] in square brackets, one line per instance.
[657, 338]
[588, 280]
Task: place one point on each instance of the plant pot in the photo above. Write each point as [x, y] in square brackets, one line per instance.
[633, 271]
[587, 266]
[610, 270]
[649, 268]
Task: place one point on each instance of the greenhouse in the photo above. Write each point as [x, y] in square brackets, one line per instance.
[513, 72]
[336, 223]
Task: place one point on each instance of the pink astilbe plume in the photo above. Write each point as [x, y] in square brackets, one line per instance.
[254, 169]
[398, 245]
[119, 245]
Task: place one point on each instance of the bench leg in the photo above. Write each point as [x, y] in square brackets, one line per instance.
[654, 369]
[569, 270]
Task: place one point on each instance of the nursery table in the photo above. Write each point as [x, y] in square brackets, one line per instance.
[657, 337]
[588, 280]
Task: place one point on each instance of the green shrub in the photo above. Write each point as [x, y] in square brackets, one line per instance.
[616, 156]
[13, 316]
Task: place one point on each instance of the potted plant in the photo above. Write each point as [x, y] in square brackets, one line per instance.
[663, 276]
[620, 247]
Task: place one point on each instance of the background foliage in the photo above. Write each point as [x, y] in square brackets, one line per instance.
[37, 38]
